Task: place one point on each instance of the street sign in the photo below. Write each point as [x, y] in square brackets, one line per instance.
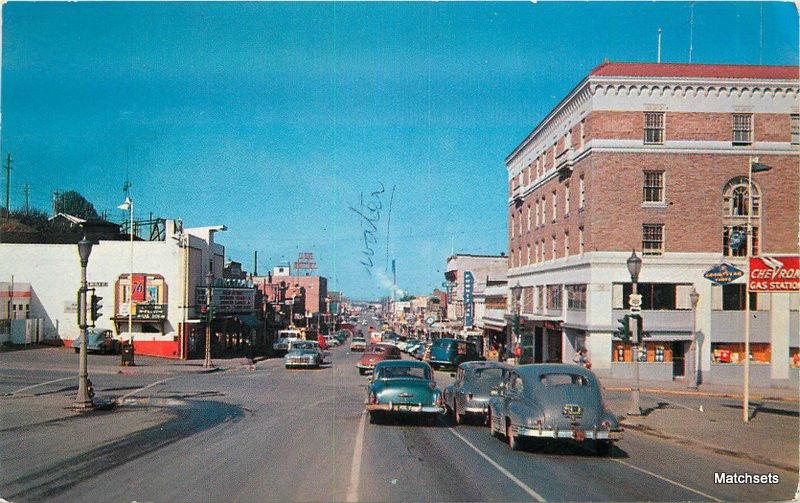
[97, 284]
[774, 274]
[468, 306]
[723, 273]
[635, 302]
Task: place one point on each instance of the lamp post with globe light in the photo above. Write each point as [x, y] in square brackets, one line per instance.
[83, 401]
[634, 264]
[516, 293]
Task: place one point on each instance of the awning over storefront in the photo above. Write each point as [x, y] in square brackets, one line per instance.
[250, 320]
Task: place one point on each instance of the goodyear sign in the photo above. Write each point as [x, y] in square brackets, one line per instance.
[723, 274]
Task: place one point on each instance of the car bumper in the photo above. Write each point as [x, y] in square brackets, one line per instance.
[477, 409]
[357, 348]
[405, 408]
[301, 364]
[574, 434]
[365, 367]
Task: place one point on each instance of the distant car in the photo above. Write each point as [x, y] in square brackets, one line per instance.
[419, 351]
[332, 341]
[98, 340]
[403, 387]
[377, 353]
[302, 356]
[450, 353]
[552, 401]
[358, 344]
[469, 394]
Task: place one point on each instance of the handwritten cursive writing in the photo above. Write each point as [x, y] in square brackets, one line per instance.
[369, 212]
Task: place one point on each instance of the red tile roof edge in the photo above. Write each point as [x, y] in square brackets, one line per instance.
[619, 69]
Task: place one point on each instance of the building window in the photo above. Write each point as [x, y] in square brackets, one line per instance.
[580, 240]
[742, 129]
[795, 124]
[583, 132]
[555, 205]
[576, 297]
[733, 352]
[733, 298]
[654, 127]
[553, 296]
[529, 255]
[553, 152]
[736, 201]
[542, 250]
[653, 187]
[566, 244]
[553, 251]
[512, 225]
[529, 218]
[566, 199]
[734, 241]
[652, 239]
[544, 209]
[519, 223]
[655, 296]
[536, 206]
[581, 193]
[736, 198]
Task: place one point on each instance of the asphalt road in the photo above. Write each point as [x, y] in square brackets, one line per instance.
[272, 434]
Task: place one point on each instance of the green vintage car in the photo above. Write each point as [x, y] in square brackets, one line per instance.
[403, 388]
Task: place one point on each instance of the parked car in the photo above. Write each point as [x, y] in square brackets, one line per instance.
[450, 353]
[469, 394]
[302, 356]
[332, 341]
[420, 350]
[552, 401]
[358, 344]
[377, 353]
[403, 387]
[98, 340]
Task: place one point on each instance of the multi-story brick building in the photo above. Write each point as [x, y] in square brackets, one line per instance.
[654, 158]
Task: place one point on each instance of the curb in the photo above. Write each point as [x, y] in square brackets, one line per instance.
[716, 394]
[646, 430]
[164, 371]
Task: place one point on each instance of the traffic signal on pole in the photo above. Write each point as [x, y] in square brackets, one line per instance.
[624, 328]
[96, 307]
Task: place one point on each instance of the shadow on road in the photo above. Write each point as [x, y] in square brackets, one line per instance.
[188, 419]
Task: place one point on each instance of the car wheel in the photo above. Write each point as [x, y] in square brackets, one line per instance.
[603, 447]
[432, 420]
[513, 441]
[77, 350]
[362, 371]
[375, 417]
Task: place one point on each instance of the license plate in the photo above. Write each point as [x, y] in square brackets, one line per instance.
[572, 410]
[406, 407]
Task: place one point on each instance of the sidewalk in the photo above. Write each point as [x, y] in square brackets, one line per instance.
[716, 390]
[711, 419]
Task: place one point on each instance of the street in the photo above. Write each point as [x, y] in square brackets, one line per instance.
[269, 434]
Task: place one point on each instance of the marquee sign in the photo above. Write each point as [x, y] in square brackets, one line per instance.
[723, 274]
[469, 281]
[774, 274]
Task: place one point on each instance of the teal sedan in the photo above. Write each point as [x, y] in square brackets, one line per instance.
[403, 388]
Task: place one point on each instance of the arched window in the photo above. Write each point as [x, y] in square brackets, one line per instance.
[736, 207]
[735, 198]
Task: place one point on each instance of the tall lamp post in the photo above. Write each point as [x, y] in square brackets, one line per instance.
[634, 264]
[694, 297]
[209, 281]
[516, 293]
[83, 401]
[127, 205]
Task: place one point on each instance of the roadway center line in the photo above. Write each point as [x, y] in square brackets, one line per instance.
[665, 479]
[41, 384]
[121, 399]
[502, 470]
[355, 469]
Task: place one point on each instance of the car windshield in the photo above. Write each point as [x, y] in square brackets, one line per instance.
[443, 344]
[303, 345]
[404, 372]
[563, 378]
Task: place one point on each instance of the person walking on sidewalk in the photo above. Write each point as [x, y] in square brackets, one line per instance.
[582, 359]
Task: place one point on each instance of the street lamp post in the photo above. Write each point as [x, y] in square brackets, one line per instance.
[634, 264]
[209, 280]
[516, 293]
[83, 401]
[694, 297]
[127, 205]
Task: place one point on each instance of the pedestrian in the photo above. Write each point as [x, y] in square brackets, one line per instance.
[582, 359]
[321, 341]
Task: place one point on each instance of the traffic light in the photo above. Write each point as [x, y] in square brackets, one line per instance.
[639, 327]
[96, 307]
[624, 328]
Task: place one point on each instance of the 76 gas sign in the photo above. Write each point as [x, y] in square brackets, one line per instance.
[774, 274]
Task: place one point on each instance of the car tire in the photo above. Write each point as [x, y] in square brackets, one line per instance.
[603, 447]
[362, 372]
[77, 350]
[431, 420]
[376, 417]
[513, 442]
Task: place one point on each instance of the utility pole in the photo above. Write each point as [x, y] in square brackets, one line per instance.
[56, 195]
[25, 192]
[8, 185]
[659, 45]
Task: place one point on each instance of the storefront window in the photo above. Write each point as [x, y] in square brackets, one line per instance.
[576, 297]
[655, 296]
[730, 352]
[553, 296]
[658, 352]
[733, 298]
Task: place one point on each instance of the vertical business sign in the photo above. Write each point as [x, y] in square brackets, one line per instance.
[469, 280]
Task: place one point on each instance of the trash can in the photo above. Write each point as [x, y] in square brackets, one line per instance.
[127, 355]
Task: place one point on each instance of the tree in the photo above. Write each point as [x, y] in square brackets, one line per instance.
[72, 203]
[34, 218]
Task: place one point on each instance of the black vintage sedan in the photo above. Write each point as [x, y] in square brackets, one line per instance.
[469, 394]
[552, 401]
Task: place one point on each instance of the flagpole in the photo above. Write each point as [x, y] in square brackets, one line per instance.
[130, 297]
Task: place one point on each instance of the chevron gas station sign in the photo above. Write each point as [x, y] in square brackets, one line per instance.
[774, 274]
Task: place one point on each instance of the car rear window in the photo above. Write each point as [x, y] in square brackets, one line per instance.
[409, 372]
[442, 344]
[561, 379]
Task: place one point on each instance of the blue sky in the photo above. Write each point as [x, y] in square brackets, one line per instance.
[273, 118]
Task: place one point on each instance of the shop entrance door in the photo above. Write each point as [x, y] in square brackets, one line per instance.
[678, 359]
[538, 342]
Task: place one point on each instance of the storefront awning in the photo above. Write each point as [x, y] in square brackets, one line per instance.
[250, 320]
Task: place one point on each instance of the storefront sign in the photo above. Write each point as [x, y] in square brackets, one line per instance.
[138, 288]
[723, 274]
[775, 274]
[469, 280]
[150, 311]
[228, 300]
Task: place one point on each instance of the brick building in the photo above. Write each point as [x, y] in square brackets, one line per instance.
[654, 157]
